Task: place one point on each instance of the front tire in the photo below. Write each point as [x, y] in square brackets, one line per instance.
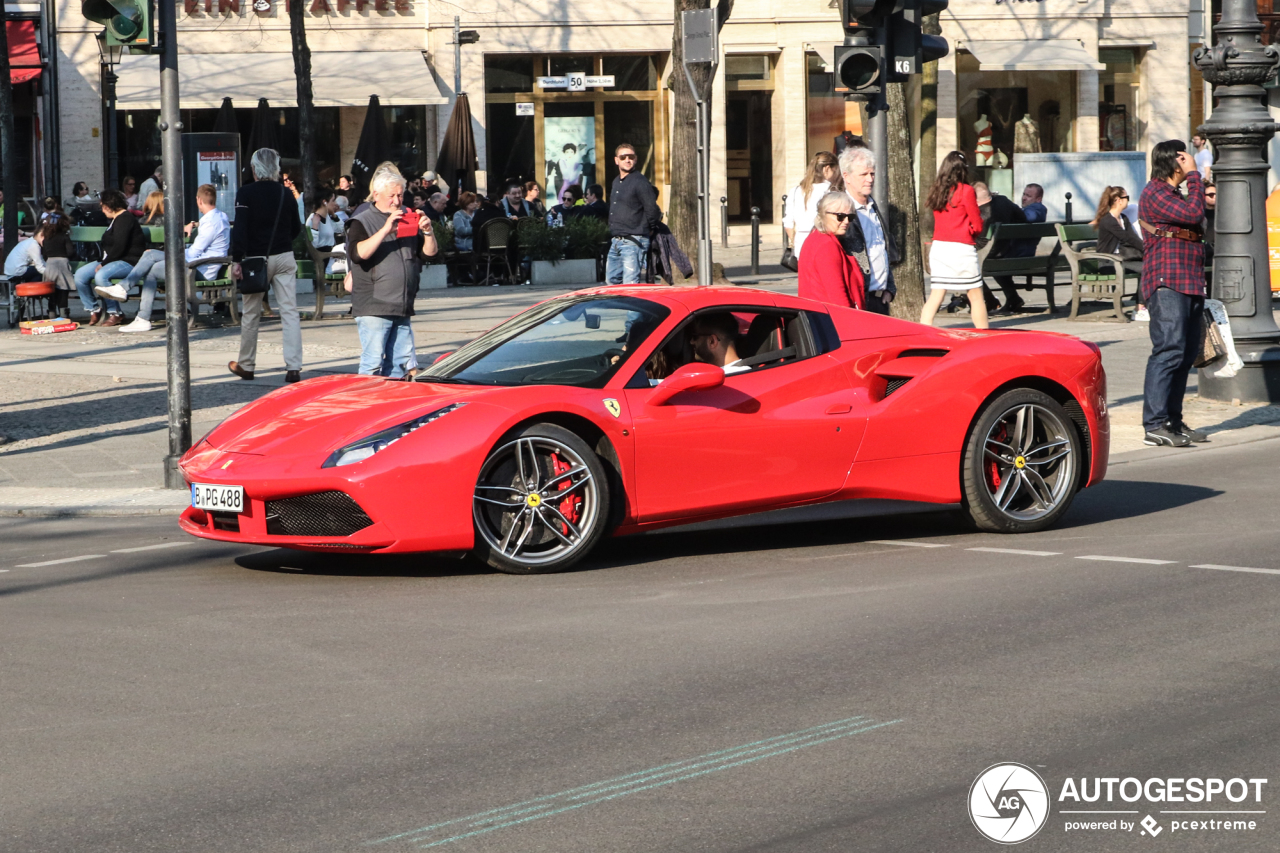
[1021, 467]
[541, 502]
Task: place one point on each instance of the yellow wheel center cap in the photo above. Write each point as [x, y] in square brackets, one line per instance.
[1020, 462]
[535, 500]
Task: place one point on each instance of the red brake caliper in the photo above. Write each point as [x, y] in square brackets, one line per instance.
[993, 470]
[570, 506]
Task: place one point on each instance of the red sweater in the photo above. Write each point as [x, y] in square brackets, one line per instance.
[829, 275]
[960, 220]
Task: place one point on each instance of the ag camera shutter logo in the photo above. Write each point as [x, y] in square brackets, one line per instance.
[1008, 803]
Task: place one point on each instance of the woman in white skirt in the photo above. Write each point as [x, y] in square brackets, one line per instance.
[953, 260]
[822, 177]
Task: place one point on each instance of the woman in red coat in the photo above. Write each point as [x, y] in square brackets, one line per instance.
[953, 259]
[827, 274]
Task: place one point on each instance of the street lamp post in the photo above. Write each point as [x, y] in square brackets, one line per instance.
[109, 56]
[1237, 65]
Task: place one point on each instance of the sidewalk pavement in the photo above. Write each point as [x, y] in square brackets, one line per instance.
[85, 412]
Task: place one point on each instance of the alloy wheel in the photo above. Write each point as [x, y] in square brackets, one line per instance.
[1028, 463]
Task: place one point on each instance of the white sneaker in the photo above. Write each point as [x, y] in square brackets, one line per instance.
[139, 324]
[1141, 315]
[113, 291]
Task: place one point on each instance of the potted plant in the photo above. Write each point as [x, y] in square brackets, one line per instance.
[563, 255]
[436, 272]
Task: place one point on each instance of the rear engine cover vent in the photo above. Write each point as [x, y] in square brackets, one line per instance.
[321, 514]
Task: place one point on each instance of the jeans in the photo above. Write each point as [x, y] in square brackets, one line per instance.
[282, 271]
[627, 261]
[386, 346]
[150, 271]
[86, 279]
[1175, 339]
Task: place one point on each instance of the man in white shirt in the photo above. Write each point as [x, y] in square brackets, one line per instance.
[212, 241]
[1204, 157]
[26, 261]
[867, 239]
[153, 184]
[714, 337]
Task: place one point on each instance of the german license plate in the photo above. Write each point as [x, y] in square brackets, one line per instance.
[217, 498]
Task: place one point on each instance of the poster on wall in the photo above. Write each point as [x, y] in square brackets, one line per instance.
[570, 153]
[219, 168]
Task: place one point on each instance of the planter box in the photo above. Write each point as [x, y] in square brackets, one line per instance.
[581, 271]
[434, 276]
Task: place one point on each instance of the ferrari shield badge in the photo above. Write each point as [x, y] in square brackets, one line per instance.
[612, 406]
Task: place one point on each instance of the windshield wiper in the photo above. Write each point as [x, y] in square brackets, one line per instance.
[444, 380]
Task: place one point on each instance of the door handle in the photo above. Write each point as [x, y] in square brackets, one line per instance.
[839, 409]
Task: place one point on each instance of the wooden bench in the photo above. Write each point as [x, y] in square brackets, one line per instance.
[1094, 275]
[313, 267]
[1046, 267]
[221, 291]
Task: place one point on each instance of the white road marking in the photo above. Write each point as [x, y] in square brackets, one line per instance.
[1127, 560]
[150, 547]
[906, 544]
[1238, 569]
[1018, 551]
[63, 560]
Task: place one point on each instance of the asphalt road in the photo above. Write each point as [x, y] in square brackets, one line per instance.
[820, 686]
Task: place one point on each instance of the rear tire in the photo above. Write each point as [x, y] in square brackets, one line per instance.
[1021, 467]
[541, 501]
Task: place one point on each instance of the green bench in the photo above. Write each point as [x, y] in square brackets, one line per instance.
[1046, 267]
[1094, 275]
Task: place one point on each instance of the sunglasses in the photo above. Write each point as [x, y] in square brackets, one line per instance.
[840, 217]
[626, 156]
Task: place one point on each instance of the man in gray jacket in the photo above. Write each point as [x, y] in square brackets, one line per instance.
[386, 263]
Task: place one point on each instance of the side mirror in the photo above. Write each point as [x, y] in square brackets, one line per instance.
[691, 377]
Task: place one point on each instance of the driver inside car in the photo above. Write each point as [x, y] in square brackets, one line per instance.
[714, 341]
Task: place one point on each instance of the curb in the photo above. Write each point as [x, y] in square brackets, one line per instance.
[1217, 440]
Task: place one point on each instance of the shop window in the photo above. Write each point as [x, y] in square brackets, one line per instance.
[569, 146]
[631, 73]
[509, 145]
[562, 65]
[748, 67]
[827, 114]
[508, 74]
[628, 121]
[1119, 86]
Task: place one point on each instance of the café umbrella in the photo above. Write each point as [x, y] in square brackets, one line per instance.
[457, 161]
[372, 149]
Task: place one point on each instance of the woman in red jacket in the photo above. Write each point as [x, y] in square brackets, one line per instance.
[827, 274]
[953, 260]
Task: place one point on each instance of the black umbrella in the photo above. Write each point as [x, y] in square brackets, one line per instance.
[457, 161]
[266, 123]
[372, 149]
[226, 120]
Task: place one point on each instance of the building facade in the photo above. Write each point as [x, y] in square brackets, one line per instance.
[1050, 75]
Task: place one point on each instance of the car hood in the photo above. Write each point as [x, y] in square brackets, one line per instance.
[322, 414]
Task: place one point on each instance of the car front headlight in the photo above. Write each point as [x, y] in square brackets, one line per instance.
[361, 450]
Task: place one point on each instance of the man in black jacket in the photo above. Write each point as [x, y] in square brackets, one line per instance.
[122, 246]
[595, 205]
[266, 224]
[633, 214]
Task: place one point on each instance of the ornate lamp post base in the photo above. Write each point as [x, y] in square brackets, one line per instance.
[1240, 129]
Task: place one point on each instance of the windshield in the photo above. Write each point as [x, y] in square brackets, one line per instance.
[579, 341]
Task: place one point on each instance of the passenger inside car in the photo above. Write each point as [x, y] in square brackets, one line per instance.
[739, 341]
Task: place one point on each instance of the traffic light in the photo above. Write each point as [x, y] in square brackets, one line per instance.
[910, 47]
[859, 69]
[858, 16]
[128, 22]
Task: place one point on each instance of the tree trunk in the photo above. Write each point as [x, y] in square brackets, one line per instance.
[682, 207]
[928, 133]
[904, 220]
[8, 144]
[306, 104]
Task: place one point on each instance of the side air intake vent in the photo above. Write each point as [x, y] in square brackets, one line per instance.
[895, 383]
[321, 514]
[923, 353]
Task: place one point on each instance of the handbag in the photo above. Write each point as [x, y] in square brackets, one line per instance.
[789, 260]
[1213, 346]
[253, 269]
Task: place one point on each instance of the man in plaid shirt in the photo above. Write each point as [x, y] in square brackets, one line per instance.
[1173, 288]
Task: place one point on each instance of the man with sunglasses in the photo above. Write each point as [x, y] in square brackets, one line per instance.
[633, 214]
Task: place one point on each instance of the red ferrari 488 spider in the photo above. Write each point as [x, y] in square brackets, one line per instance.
[597, 413]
